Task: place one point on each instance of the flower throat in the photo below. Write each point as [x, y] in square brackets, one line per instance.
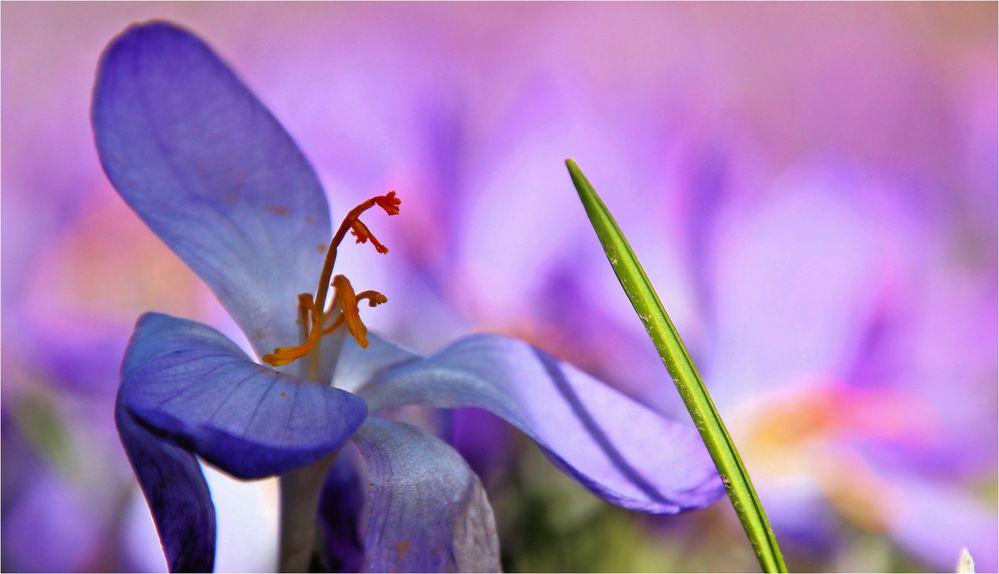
[312, 312]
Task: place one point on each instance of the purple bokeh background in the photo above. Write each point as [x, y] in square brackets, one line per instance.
[811, 187]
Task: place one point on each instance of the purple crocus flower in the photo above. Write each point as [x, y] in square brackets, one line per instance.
[217, 178]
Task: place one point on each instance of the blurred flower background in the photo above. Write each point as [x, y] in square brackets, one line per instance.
[811, 187]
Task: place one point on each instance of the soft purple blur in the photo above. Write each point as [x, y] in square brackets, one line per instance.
[811, 187]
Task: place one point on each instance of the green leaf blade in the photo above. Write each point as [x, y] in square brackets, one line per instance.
[681, 368]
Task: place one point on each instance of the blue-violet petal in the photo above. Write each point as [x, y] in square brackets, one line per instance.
[341, 505]
[617, 447]
[190, 383]
[213, 174]
[426, 510]
[177, 494]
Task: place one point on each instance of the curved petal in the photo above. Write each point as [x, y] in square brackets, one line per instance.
[356, 366]
[620, 449]
[187, 381]
[176, 492]
[425, 510]
[213, 174]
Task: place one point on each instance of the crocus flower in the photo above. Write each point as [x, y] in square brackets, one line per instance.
[217, 178]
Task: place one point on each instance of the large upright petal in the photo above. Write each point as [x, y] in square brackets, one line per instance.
[617, 447]
[425, 510]
[188, 382]
[211, 171]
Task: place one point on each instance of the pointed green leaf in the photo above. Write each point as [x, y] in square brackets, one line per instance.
[692, 390]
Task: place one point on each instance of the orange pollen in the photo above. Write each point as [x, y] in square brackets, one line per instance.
[312, 312]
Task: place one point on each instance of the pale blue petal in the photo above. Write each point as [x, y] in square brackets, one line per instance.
[620, 449]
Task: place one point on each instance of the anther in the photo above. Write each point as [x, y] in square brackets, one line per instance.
[374, 297]
[347, 300]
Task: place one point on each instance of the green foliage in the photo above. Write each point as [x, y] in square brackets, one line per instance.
[681, 368]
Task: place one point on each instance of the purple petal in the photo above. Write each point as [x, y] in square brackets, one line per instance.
[484, 440]
[52, 521]
[176, 491]
[618, 448]
[935, 521]
[187, 381]
[213, 174]
[340, 507]
[426, 510]
[800, 272]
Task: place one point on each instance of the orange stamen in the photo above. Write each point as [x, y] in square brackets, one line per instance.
[285, 355]
[345, 298]
[388, 202]
[336, 325]
[374, 299]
